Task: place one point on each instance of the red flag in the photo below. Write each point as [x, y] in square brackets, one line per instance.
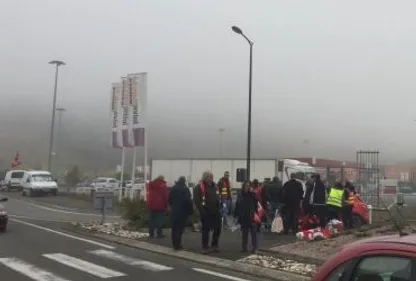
[16, 161]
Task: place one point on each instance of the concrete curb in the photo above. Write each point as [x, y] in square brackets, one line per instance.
[199, 258]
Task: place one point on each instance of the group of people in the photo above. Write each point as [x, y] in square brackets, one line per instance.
[213, 202]
[329, 202]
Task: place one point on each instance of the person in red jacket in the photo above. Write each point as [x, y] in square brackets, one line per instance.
[158, 206]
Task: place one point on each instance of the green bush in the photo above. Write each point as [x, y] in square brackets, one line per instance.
[137, 214]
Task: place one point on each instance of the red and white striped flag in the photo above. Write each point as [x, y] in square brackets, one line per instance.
[16, 161]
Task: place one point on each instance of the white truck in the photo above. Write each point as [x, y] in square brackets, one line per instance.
[260, 169]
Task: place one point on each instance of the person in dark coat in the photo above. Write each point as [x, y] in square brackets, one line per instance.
[208, 203]
[244, 211]
[315, 197]
[181, 207]
[292, 199]
[273, 192]
[306, 205]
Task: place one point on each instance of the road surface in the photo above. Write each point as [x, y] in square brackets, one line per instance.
[42, 252]
[55, 209]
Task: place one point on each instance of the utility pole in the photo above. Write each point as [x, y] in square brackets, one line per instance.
[60, 111]
[57, 64]
[221, 132]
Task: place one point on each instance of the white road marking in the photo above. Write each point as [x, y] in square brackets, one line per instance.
[217, 274]
[147, 265]
[64, 234]
[63, 211]
[37, 219]
[29, 270]
[85, 266]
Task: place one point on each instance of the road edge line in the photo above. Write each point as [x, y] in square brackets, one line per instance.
[197, 258]
[63, 234]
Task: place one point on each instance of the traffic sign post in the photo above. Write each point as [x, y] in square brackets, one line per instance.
[103, 201]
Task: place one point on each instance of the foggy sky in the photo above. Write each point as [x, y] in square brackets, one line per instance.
[335, 73]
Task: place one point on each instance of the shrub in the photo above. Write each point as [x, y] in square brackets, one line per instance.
[137, 214]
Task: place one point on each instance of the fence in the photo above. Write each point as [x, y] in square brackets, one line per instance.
[368, 183]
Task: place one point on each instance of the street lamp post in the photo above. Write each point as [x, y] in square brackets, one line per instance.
[251, 43]
[221, 131]
[60, 111]
[57, 64]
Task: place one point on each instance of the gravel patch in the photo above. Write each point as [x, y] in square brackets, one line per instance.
[280, 264]
[116, 229]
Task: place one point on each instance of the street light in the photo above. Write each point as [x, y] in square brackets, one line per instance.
[221, 131]
[60, 111]
[238, 30]
[57, 64]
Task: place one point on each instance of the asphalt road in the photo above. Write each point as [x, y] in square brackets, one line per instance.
[55, 209]
[42, 252]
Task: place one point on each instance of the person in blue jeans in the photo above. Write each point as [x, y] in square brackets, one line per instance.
[244, 211]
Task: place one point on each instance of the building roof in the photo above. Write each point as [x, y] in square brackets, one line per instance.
[324, 163]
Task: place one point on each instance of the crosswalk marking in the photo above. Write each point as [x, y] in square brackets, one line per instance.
[85, 266]
[130, 261]
[29, 270]
[217, 274]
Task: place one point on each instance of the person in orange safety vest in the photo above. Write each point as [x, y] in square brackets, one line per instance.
[224, 187]
[347, 219]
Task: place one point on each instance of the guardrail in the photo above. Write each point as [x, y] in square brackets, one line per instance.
[88, 192]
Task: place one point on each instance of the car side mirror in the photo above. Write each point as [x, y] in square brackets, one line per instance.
[4, 199]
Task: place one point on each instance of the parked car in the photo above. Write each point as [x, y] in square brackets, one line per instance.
[38, 182]
[385, 258]
[13, 179]
[109, 183]
[3, 216]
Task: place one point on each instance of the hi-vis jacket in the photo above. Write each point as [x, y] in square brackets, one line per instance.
[351, 198]
[335, 197]
[224, 188]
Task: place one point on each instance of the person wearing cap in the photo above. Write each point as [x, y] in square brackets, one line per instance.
[224, 187]
[181, 207]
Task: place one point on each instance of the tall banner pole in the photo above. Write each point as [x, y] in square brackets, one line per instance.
[120, 194]
[137, 88]
[145, 155]
[133, 173]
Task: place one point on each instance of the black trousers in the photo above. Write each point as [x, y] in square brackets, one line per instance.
[210, 222]
[290, 220]
[334, 212]
[347, 217]
[321, 212]
[178, 227]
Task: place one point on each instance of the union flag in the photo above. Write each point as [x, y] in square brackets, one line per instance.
[16, 161]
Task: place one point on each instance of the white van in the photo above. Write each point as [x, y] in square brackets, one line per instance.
[13, 179]
[108, 183]
[38, 182]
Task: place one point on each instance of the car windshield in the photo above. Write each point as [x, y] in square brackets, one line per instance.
[41, 178]
[17, 175]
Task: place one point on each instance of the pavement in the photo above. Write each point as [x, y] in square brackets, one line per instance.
[230, 243]
[40, 251]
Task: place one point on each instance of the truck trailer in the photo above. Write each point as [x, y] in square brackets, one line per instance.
[260, 169]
